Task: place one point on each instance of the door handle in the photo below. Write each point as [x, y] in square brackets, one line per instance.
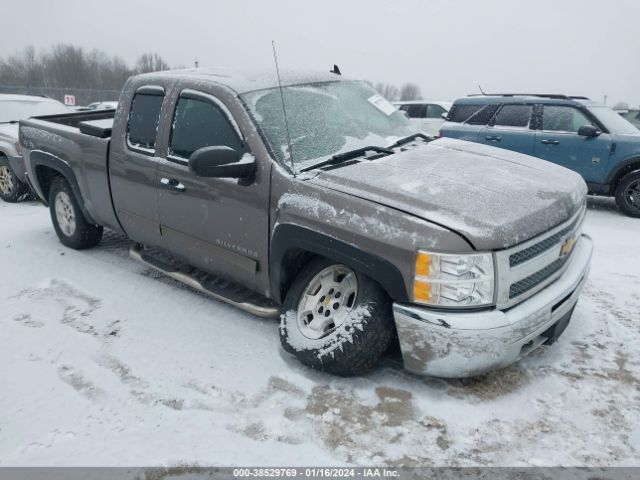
[172, 184]
[550, 142]
[493, 138]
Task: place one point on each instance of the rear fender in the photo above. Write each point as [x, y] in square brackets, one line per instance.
[41, 161]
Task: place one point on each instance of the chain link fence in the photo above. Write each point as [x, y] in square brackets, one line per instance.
[83, 96]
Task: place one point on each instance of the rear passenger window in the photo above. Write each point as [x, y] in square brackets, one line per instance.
[200, 123]
[483, 116]
[514, 116]
[142, 128]
[459, 113]
[416, 111]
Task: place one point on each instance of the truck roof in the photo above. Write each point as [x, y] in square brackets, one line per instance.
[244, 81]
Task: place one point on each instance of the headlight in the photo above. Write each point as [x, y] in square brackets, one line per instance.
[453, 280]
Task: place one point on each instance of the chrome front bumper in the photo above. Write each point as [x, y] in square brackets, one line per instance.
[463, 344]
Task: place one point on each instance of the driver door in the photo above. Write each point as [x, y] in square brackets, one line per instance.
[216, 224]
[558, 142]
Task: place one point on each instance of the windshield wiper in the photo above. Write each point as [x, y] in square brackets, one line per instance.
[409, 139]
[10, 121]
[351, 154]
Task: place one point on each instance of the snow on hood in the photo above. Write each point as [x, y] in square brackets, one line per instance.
[493, 197]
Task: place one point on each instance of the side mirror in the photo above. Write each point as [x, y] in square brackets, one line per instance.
[445, 115]
[588, 131]
[221, 162]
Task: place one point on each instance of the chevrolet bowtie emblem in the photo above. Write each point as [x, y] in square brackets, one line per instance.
[567, 246]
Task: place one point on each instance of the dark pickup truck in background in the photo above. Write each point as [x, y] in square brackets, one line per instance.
[338, 217]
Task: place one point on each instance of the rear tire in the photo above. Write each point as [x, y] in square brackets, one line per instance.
[335, 319]
[71, 226]
[628, 194]
[12, 190]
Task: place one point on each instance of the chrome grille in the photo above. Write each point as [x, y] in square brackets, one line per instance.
[540, 247]
[529, 267]
[518, 288]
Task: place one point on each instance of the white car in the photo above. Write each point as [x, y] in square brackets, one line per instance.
[425, 114]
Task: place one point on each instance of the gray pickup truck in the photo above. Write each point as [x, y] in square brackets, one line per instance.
[317, 202]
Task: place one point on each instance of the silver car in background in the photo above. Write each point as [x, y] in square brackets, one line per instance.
[13, 108]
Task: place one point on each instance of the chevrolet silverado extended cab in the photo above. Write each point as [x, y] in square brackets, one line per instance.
[317, 202]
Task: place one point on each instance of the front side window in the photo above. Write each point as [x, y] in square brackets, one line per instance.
[199, 123]
[416, 111]
[435, 111]
[563, 119]
[144, 117]
[514, 116]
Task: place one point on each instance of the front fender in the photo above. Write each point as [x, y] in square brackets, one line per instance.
[622, 168]
[292, 237]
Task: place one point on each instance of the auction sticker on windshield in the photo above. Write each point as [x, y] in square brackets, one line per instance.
[381, 104]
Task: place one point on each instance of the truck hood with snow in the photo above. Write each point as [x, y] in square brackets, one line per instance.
[493, 197]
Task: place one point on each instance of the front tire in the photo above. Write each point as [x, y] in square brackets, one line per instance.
[628, 194]
[71, 226]
[335, 319]
[12, 190]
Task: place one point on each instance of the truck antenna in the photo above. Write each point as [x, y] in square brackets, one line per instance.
[481, 91]
[284, 109]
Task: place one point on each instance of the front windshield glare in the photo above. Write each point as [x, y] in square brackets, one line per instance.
[613, 121]
[325, 119]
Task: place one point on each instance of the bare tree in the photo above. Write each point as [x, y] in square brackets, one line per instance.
[150, 62]
[621, 106]
[90, 75]
[388, 91]
[410, 91]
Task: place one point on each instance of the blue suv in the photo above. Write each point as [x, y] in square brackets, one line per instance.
[574, 132]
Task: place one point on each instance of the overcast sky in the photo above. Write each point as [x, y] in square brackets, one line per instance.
[447, 47]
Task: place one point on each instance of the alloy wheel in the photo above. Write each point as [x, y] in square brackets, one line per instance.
[326, 300]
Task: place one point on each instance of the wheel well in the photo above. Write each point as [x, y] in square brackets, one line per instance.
[292, 246]
[45, 176]
[621, 173]
[292, 262]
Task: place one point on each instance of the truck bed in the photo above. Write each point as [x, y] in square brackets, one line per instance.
[80, 142]
[97, 124]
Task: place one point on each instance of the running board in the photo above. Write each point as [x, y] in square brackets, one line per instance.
[223, 290]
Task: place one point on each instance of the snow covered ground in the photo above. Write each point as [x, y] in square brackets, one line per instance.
[103, 362]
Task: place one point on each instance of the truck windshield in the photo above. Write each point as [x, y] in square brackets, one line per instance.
[613, 121]
[18, 110]
[325, 119]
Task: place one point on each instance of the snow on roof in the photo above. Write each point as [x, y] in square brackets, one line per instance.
[243, 81]
[5, 97]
